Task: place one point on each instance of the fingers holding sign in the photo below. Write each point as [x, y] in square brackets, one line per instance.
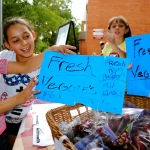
[28, 92]
[64, 49]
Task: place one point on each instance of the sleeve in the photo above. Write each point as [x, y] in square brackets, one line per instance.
[106, 50]
[3, 66]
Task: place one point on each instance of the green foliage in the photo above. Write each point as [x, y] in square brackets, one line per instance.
[40, 46]
[46, 16]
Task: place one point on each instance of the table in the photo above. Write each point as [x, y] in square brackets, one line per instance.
[24, 140]
[25, 135]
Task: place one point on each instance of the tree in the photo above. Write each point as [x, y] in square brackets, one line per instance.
[46, 16]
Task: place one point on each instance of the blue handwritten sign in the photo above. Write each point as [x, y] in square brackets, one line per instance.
[138, 77]
[95, 81]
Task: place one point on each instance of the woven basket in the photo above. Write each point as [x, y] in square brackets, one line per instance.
[63, 113]
[139, 101]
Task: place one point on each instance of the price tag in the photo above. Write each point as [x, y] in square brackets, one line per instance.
[74, 112]
[82, 109]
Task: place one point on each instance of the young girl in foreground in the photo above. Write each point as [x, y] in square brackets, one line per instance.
[7, 67]
[119, 29]
[20, 39]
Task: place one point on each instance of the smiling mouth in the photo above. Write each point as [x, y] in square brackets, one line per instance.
[117, 32]
[27, 49]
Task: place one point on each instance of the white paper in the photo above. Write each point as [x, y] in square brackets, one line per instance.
[44, 138]
[39, 119]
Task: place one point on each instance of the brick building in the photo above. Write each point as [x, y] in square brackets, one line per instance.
[98, 13]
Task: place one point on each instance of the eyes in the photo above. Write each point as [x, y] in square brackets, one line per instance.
[118, 25]
[25, 36]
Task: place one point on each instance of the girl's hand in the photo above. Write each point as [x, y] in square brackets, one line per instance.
[64, 49]
[130, 66]
[110, 38]
[27, 93]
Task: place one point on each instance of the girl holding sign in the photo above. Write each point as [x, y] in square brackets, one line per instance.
[119, 29]
[20, 38]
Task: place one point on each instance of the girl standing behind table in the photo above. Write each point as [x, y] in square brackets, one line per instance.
[20, 38]
[119, 29]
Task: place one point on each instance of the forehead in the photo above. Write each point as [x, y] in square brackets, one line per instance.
[16, 30]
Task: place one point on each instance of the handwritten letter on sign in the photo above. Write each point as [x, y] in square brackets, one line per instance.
[95, 81]
[138, 50]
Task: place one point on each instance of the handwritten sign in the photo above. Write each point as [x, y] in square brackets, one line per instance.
[95, 81]
[138, 77]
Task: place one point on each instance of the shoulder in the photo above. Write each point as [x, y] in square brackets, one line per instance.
[123, 44]
[106, 46]
[106, 49]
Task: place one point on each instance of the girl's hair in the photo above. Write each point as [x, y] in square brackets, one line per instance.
[12, 21]
[122, 20]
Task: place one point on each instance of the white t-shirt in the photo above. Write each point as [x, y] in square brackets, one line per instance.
[12, 84]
